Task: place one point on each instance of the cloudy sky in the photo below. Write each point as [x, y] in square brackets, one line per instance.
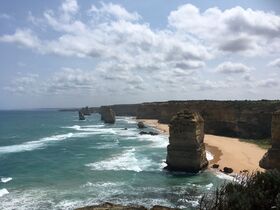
[68, 53]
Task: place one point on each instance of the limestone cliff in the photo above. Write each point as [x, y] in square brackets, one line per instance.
[107, 114]
[186, 149]
[271, 159]
[81, 115]
[111, 206]
[244, 119]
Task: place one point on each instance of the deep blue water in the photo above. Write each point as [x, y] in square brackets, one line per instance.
[58, 162]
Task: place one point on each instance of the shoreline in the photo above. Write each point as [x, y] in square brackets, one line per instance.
[226, 151]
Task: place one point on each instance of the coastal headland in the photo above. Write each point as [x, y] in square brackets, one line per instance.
[226, 124]
[226, 151]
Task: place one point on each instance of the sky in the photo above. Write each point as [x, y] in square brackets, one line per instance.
[73, 53]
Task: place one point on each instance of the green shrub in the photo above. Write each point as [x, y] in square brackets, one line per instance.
[257, 191]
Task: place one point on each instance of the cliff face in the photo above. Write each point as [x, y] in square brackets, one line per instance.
[271, 159]
[107, 114]
[186, 149]
[244, 119]
[111, 206]
[125, 109]
[81, 116]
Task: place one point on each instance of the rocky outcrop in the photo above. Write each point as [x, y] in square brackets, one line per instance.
[125, 109]
[107, 114]
[81, 115]
[243, 119]
[111, 206]
[86, 110]
[141, 125]
[271, 159]
[186, 149]
[148, 133]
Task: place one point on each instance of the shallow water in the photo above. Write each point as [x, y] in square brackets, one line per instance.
[50, 160]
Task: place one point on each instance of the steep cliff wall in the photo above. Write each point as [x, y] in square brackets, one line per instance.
[244, 119]
[186, 149]
[271, 159]
[107, 114]
[125, 109]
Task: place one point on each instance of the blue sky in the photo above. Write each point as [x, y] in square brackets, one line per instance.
[71, 53]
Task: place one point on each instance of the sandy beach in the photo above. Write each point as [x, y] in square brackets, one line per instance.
[227, 152]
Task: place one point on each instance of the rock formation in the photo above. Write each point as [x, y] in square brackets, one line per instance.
[107, 114]
[141, 125]
[86, 110]
[186, 149]
[81, 116]
[111, 206]
[271, 159]
[243, 119]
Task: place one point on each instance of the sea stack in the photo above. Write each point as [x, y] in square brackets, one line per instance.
[271, 159]
[107, 114]
[186, 149]
[81, 115]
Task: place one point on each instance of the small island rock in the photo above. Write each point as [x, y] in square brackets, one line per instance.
[271, 159]
[186, 149]
[107, 114]
[81, 115]
[141, 125]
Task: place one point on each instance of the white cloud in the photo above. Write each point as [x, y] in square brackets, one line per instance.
[5, 16]
[275, 63]
[232, 68]
[70, 6]
[23, 83]
[268, 83]
[23, 37]
[129, 55]
[63, 81]
[113, 10]
[233, 30]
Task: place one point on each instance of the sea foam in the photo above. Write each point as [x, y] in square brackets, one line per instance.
[209, 156]
[6, 179]
[3, 192]
[126, 161]
[41, 143]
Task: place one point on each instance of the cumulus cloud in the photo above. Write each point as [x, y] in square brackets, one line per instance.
[232, 68]
[113, 10]
[129, 55]
[275, 63]
[23, 83]
[70, 6]
[5, 16]
[23, 37]
[233, 30]
[268, 83]
[60, 82]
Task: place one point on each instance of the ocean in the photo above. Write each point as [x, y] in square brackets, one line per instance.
[51, 160]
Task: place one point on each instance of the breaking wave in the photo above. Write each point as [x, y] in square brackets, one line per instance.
[126, 161]
[41, 143]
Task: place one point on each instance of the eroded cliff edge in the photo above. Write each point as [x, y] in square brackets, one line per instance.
[243, 119]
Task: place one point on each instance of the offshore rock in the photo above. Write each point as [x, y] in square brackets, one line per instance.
[86, 110]
[81, 115]
[242, 119]
[148, 133]
[271, 159]
[111, 206]
[107, 114]
[186, 149]
[141, 125]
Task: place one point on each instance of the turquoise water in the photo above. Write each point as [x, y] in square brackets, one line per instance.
[57, 162]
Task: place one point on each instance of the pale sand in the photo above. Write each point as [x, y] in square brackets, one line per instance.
[227, 152]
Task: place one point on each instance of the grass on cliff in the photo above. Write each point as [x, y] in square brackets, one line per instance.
[260, 190]
[262, 143]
